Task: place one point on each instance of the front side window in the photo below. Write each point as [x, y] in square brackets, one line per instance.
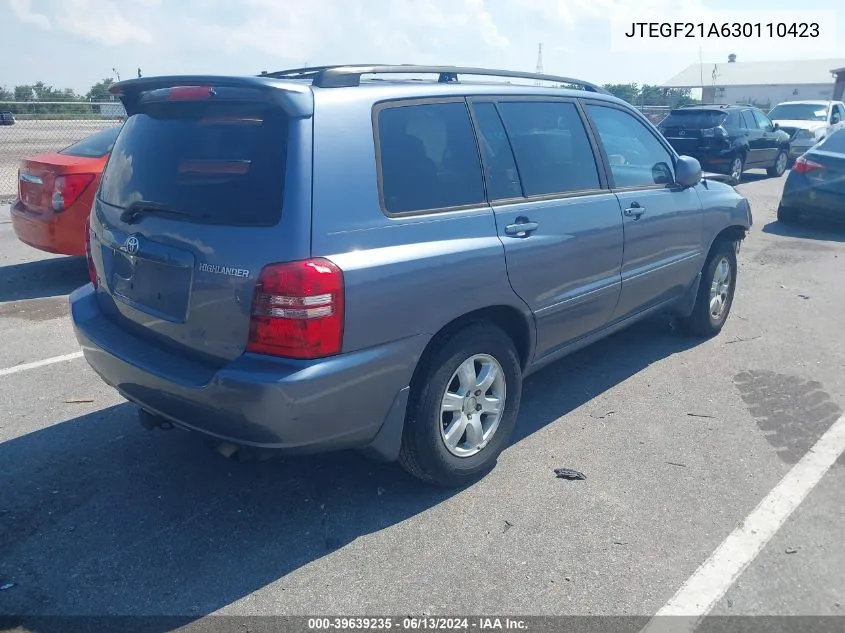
[551, 147]
[763, 121]
[637, 158]
[429, 158]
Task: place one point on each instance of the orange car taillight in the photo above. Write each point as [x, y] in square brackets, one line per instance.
[298, 310]
[92, 271]
[67, 189]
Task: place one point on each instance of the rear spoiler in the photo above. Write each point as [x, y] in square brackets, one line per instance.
[296, 99]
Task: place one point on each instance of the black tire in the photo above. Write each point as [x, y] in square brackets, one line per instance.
[787, 215]
[776, 170]
[735, 180]
[423, 452]
[701, 323]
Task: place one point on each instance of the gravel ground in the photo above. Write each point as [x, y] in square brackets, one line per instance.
[679, 439]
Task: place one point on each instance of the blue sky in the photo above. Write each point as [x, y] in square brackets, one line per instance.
[73, 43]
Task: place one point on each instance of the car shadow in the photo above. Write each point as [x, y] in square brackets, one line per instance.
[748, 176]
[99, 517]
[43, 278]
[808, 228]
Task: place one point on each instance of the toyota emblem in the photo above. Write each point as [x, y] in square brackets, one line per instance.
[131, 245]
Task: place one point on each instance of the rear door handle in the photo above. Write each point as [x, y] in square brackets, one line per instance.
[634, 211]
[522, 227]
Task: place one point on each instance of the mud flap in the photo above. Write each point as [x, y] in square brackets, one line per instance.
[385, 445]
[687, 304]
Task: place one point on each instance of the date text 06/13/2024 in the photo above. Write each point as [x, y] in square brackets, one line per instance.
[418, 624]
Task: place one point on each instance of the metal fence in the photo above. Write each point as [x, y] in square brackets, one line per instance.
[47, 126]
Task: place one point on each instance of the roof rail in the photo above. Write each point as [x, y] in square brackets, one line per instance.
[350, 76]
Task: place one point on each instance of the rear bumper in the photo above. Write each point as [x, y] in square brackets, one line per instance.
[62, 233]
[798, 194]
[295, 406]
[718, 161]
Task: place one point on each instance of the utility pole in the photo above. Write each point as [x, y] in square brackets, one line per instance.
[539, 61]
[116, 74]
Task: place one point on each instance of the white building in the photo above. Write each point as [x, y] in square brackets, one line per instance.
[764, 84]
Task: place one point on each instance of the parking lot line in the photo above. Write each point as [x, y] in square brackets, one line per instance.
[700, 593]
[39, 363]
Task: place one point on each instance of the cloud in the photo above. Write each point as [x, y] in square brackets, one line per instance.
[99, 21]
[352, 30]
[23, 11]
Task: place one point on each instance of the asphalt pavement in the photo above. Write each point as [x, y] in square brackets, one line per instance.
[680, 441]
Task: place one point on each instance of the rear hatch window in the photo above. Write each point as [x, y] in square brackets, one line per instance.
[693, 119]
[211, 163]
[95, 146]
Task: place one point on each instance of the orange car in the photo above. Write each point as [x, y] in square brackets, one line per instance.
[56, 191]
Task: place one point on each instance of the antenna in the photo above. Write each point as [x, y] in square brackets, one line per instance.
[539, 70]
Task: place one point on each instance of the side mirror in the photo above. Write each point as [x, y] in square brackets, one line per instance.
[835, 118]
[777, 126]
[687, 171]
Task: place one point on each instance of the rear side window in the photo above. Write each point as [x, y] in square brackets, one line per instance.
[834, 142]
[499, 164]
[551, 146]
[733, 121]
[748, 122]
[95, 146]
[693, 119]
[216, 163]
[429, 158]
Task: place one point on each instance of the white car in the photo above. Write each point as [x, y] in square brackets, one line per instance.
[807, 122]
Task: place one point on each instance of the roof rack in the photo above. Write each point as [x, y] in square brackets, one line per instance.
[350, 76]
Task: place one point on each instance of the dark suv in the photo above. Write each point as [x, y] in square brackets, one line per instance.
[312, 260]
[7, 118]
[728, 139]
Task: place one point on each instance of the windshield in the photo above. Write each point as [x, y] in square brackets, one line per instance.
[213, 163]
[693, 119]
[799, 112]
[94, 146]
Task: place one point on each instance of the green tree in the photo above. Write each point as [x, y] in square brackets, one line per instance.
[6, 95]
[100, 90]
[626, 92]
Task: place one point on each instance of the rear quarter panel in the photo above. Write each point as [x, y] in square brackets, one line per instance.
[403, 276]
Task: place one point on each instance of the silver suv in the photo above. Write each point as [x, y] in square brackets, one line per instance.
[313, 260]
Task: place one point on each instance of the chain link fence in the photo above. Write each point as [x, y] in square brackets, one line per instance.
[46, 126]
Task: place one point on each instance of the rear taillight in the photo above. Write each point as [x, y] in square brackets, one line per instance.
[92, 271]
[804, 165]
[714, 131]
[67, 189]
[297, 311]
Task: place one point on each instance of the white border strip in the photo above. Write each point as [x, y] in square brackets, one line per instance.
[700, 593]
[39, 363]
